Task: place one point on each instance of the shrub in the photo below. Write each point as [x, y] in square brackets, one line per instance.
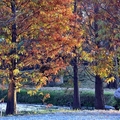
[87, 98]
[61, 98]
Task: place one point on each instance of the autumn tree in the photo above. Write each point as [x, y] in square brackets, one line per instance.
[101, 41]
[34, 34]
[77, 33]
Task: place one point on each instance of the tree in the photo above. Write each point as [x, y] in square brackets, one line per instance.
[100, 38]
[77, 34]
[99, 95]
[12, 87]
[98, 81]
[34, 34]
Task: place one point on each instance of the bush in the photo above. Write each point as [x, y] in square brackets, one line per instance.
[61, 98]
[87, 98]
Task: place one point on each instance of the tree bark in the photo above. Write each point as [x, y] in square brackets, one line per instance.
[11, 98]
[99, 93]
[116, 72]
[76, 99]
[11, 101]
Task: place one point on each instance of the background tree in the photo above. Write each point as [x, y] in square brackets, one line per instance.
[77, 34]
[100, 42]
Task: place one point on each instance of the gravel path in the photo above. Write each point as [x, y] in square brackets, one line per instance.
[79, 115]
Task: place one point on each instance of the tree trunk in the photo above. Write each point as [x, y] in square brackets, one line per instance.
[11, 101]
[76, 99]
[116, 72]
[99, 93]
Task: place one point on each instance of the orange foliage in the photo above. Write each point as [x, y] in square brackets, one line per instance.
[44, 34]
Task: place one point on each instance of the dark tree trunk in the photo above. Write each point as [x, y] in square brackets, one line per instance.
[76, 99]
[11, 101]
[99, 93]
[11, 98]
[116, 72]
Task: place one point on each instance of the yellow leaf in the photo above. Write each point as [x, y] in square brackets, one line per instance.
[32, 92]
[111, 79]
[41, 93]
[16, 71]
[44, 78]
